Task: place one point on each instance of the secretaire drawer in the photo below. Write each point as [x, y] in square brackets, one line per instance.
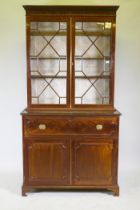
[36, 126]
[94, 125]
[40, 126]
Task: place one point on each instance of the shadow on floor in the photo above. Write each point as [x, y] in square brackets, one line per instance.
[11, 181]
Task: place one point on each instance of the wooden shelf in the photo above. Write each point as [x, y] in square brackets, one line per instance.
[99, 58]
[47, 77]
[64, 77]
[64, 33]
[64, 58]
[51, 58]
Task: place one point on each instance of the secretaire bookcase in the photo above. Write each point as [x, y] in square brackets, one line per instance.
[70, 125]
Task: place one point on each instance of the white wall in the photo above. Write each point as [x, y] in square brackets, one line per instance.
[13, 79]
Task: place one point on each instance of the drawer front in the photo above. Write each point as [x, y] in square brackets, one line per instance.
[96, 125]
[40, 126]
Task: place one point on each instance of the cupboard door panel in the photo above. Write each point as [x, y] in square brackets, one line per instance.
[48, 162]
[92, 162]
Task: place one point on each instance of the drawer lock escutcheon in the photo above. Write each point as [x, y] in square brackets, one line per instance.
[99, 127]
[42, 126]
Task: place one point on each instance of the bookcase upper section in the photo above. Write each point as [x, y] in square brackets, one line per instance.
[70, 56]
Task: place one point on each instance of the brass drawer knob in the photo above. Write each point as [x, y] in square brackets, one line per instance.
[42, 126]
[99, 127]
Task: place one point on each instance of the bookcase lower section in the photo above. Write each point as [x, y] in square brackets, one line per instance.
[70, 152]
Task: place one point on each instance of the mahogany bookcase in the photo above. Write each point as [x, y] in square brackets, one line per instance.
[70, 125]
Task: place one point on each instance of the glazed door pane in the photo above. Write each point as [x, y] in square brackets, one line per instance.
[92, 62]
[48, 62]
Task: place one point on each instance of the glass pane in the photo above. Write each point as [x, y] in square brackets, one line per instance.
[92, 62]
[48, 62]
[91, 91]
[48, 91]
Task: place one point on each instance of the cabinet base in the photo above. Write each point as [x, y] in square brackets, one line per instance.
[114, 189]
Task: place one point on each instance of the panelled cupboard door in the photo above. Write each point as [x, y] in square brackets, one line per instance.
[48, 161]
[92, 162]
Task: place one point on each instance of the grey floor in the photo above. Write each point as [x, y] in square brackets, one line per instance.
[10, 196]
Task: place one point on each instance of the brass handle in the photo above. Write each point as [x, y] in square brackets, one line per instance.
[99, 127]
[42, 126]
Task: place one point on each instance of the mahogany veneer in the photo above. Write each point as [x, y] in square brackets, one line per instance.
[70, 141]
